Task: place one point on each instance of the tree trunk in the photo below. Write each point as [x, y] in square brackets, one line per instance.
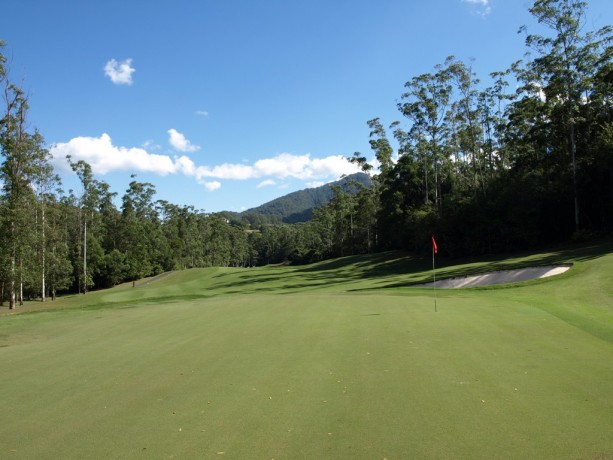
[573, 150]
[21, 285]
[85, 258]
[425, 165]
[577, 225]
[42, 293]
[12, 276]
[12, 296]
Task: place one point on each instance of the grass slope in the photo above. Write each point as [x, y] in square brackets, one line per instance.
[335, 360]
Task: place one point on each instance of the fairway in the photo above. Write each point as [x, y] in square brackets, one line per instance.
[338, 361]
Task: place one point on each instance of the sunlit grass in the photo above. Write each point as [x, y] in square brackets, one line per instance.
[338, 360]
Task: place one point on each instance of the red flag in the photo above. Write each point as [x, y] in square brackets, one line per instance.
[434, 246]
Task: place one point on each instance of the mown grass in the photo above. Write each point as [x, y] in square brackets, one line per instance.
[335, 360]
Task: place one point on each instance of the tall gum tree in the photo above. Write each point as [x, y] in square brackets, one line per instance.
[45, 182]
[565, 66]
[15, 172]
[426, 103]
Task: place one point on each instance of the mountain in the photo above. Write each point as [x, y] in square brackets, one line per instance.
[298, 206]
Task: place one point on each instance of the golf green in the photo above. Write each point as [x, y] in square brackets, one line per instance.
[277, 364]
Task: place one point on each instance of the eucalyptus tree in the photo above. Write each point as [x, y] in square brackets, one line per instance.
[493, 102]
[191, 251]
[217, 247]
[324, 224]
[343, 210]
[426, 103]
[142, 240]
[185, 230]
[172, 219]
[45, 182]
[565, 68]
[18, 150]
[239, 247]
[597, 185]
[368, 197]
[366, 220]
[467, 131]
[342, 224]
[86, 208]
[381, 146]
[308, 244]
[108, 216]
[58, 267]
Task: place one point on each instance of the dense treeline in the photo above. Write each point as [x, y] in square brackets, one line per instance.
[524, 162]
[492, 169]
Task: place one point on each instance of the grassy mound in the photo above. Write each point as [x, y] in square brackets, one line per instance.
[335, 360]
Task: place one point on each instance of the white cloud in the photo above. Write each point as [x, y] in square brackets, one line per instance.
[202, 113]
[151, 145]
[120, 73]
[315, 184]
[266, 183]
[180, 143]
[322, 167]
[104, 157]
[227, 171]
[483, 7]
[184, 165]
[282, 166]
[211, 186]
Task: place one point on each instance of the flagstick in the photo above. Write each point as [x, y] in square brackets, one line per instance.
[434, 276]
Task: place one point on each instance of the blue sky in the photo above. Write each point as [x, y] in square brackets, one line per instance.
[228, 104]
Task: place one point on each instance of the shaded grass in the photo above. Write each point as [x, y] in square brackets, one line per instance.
[388, 271]
[278, 363]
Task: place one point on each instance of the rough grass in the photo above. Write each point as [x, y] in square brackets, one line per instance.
[335, 360]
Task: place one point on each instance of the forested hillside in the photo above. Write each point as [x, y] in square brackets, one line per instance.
[299, 206]
[524, 161]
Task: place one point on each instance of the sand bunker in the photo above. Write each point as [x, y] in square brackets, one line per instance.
[499, 277]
